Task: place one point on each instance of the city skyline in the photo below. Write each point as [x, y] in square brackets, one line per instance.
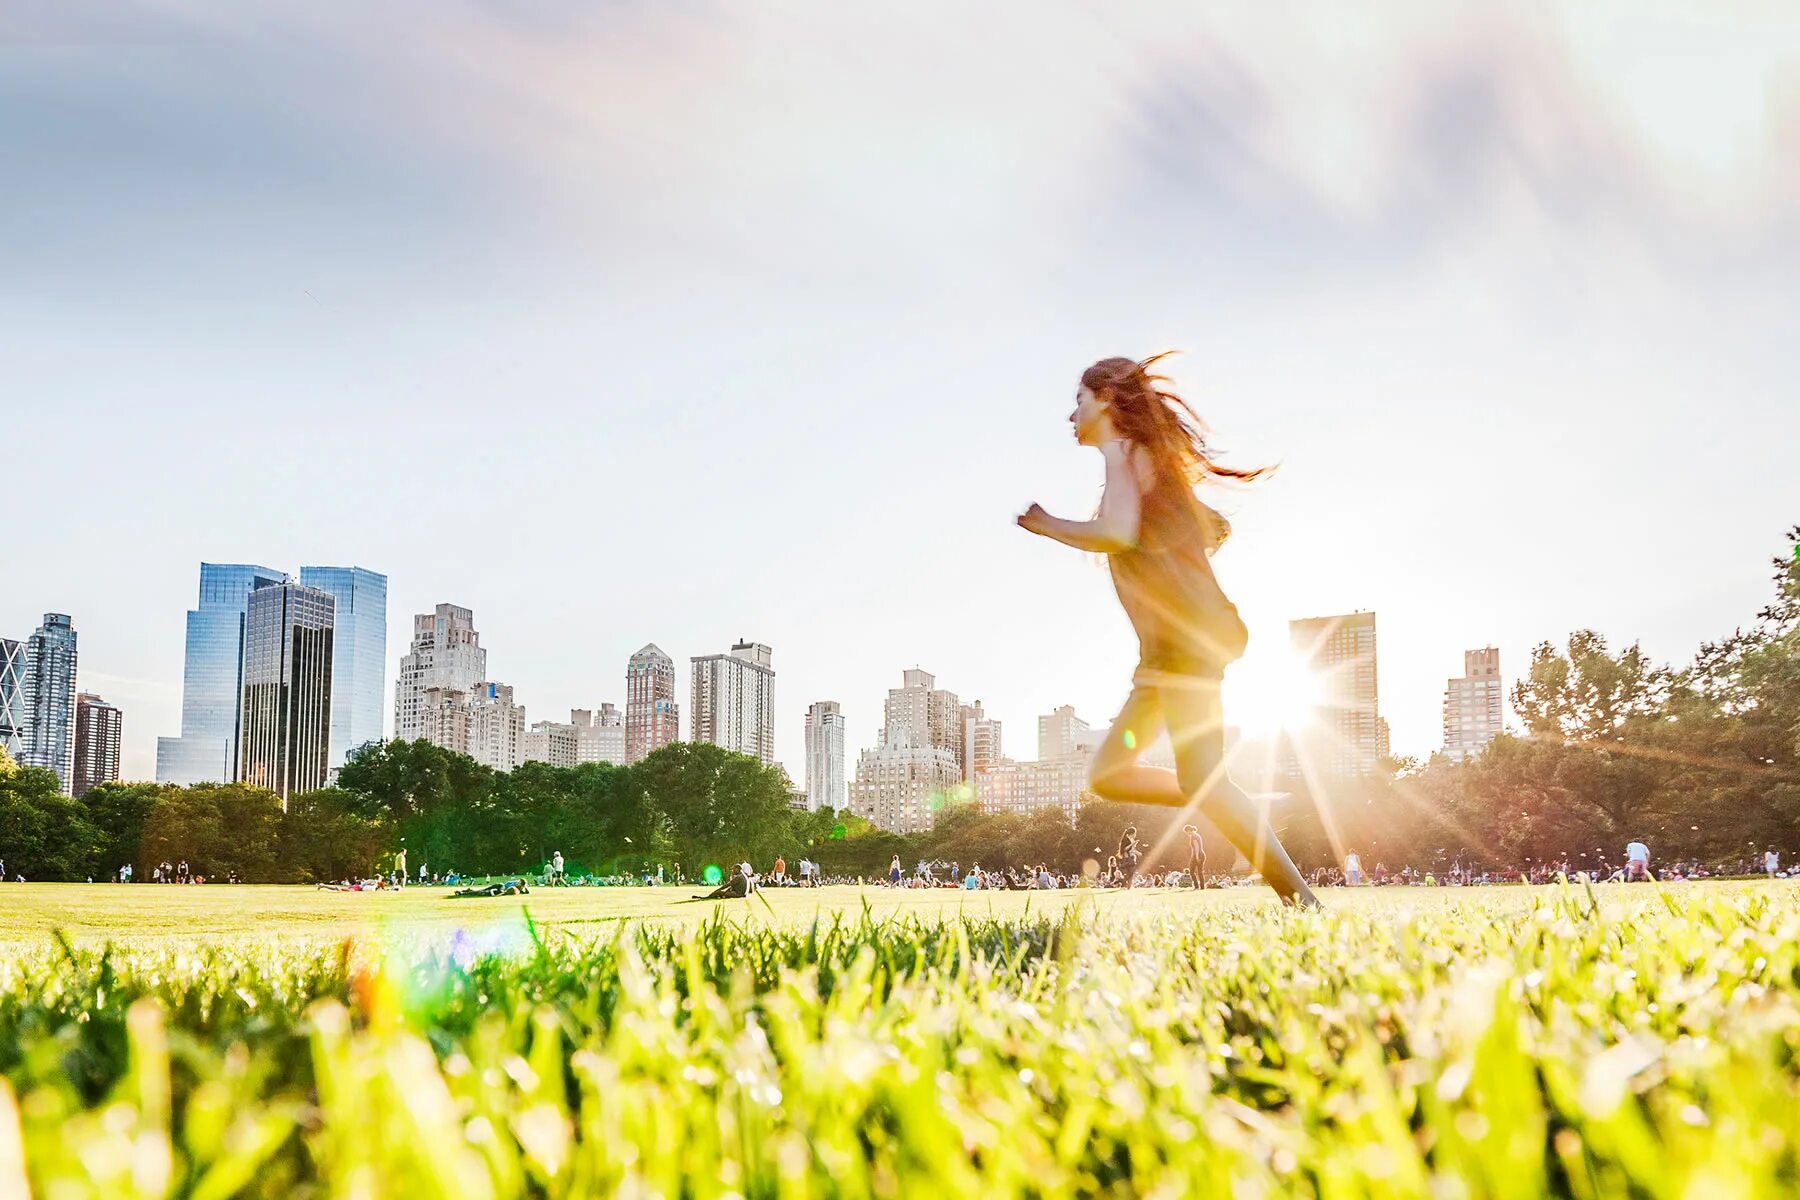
[837, 356]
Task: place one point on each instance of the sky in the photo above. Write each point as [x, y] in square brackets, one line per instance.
[689, 323]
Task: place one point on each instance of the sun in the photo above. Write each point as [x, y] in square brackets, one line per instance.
[1271, 692]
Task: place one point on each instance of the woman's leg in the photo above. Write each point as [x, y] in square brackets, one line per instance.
[1197, 731]
[1116, 773]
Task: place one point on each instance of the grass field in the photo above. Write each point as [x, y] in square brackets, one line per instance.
[1506, 1042]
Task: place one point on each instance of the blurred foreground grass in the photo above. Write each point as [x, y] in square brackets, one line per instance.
[1497, 1042]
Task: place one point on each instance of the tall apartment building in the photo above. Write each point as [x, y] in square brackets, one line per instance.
[916, 770]
[12, 697]
[47, 694]
[902, 788]
[98, 729]
[652, 718]
[599, 737]
[359, 663]
[446, 654]
[285, 740]
[982, 748]
[1347, 735]
[1063, 735]
[826, 786]
[496, 726]
[1473, 705]
[734, 700]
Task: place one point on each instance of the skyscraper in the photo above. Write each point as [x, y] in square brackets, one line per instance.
[903, 783]
[359, 663]
[734, 700]
[555, 742]
[212, 681]
[98, 727]
[285, 743]
[1345, 737]
[446, 654]
[982, 749]
[825, 784]
[12, 697]
[1472, 705]
[652, 718]
[47, 686]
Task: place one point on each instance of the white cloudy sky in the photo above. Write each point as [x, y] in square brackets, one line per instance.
[682, 322]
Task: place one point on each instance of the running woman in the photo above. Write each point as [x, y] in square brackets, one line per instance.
[1158, 538]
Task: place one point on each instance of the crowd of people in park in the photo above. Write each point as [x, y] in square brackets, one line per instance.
[1634, 866]
[1121, 869]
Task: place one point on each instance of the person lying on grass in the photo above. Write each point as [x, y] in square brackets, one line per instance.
[504, 887]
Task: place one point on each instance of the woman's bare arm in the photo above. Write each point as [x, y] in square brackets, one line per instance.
[1115, 528]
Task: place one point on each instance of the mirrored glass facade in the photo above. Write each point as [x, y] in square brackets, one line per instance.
[285, 737]
[359, 655]
[212, 680]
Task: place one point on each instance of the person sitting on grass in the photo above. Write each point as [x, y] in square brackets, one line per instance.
[738, 887]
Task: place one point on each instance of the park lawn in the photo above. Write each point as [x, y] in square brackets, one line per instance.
[226, 915]
[1418, 1043]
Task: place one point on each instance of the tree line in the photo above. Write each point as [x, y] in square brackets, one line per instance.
[1701, 760]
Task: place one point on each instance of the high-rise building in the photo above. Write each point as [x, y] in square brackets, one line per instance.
[359, 665]
[652, 718]
[212, 679]
[496, 726]
[446, 654]
[1345, 736]
[12, 697]
[982, 750]
[916, 771]
[98, 726]
[599, 737]
[825, 783]
[902, 788]
[734, 700]
[1473, 714]
[1063, 735]
[47, 687]
[285, 742]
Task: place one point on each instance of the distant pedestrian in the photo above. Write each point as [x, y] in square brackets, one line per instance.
[1129, 853]
[1637, 863]
[556, 869]
[1196, 855]
[1771, 862]
[1353, 870]
[894, 872]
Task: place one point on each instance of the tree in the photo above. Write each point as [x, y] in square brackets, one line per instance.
[43, 833]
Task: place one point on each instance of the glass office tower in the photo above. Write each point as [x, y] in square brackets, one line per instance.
[359, 655]
[284, 739]
[212, 682]
[48, 687]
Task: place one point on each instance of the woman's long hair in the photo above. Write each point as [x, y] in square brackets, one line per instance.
[1149, 414]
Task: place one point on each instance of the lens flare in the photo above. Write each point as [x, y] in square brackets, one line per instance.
[712, 874]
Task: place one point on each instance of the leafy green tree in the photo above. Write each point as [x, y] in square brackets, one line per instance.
[324, 837]
[44, 835]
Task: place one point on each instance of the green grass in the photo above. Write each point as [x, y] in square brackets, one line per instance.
[1419, 1043]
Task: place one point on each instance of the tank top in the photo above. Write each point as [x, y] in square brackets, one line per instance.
[1184, 623]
